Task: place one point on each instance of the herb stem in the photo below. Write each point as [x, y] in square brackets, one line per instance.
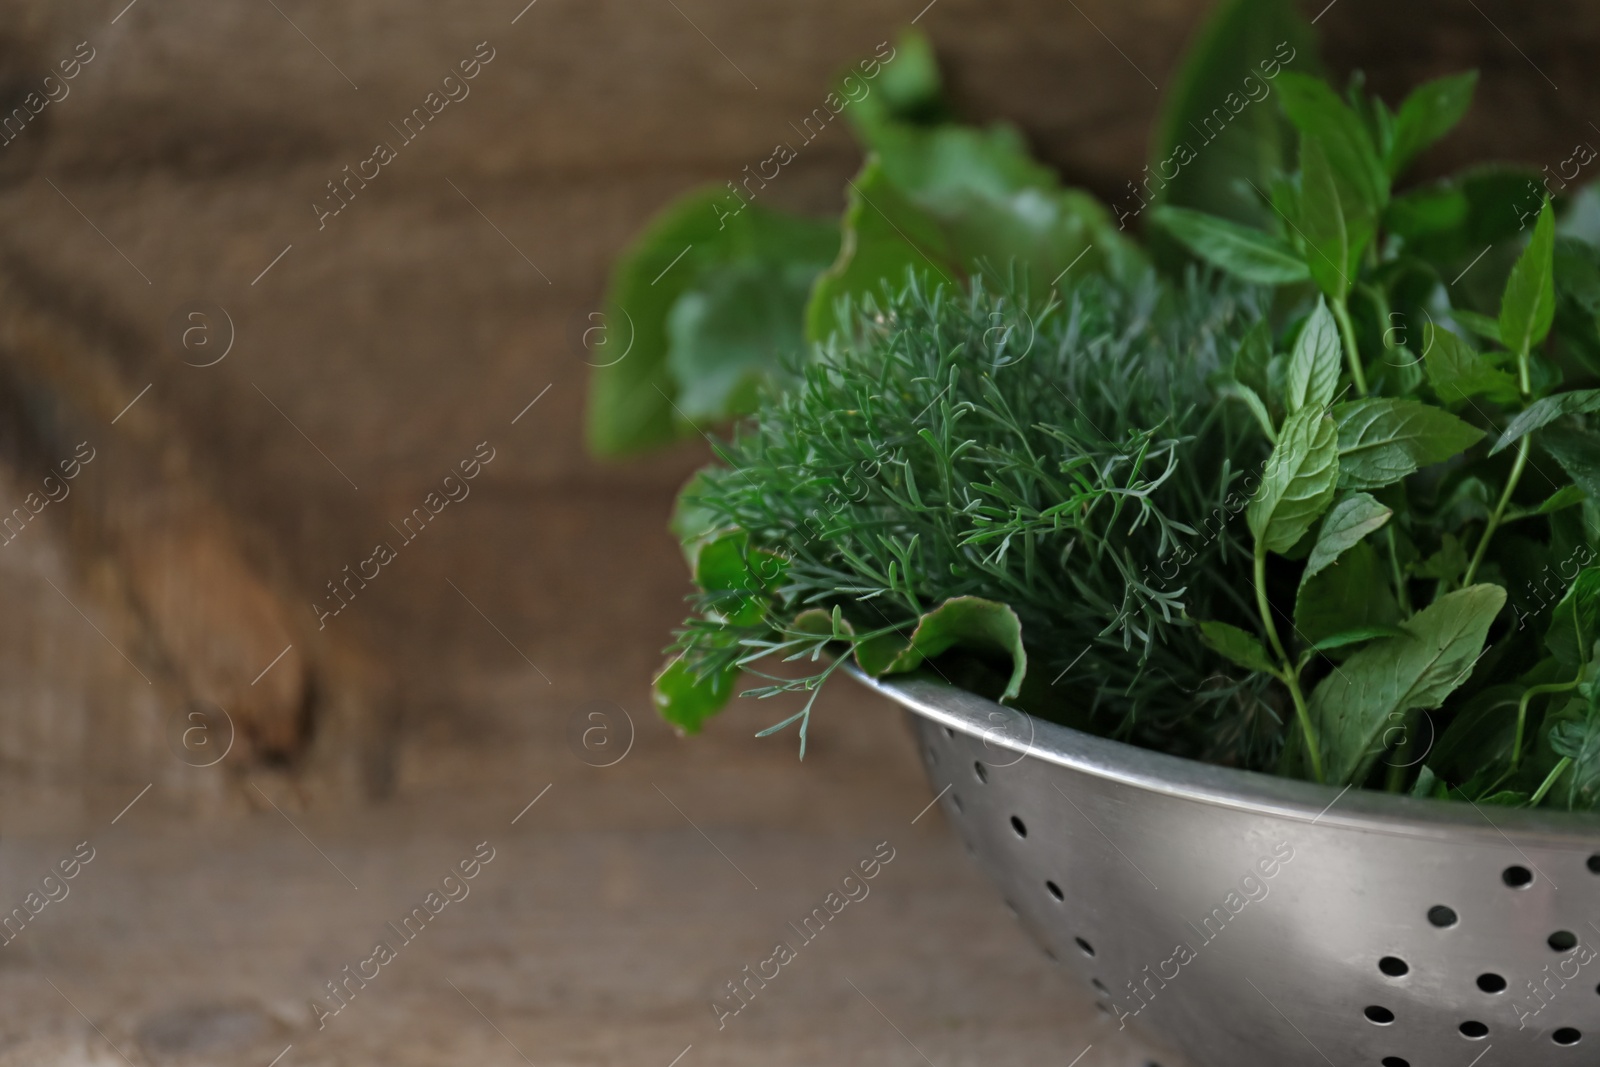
[1352, 355]
[1550, 780]
[1287, 672]
[1523, 447]
[1522, 713]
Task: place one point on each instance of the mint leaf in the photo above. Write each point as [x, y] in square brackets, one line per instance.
[1578, 453]
[1354, 705]
[1430, 112]
[1350, 520]
[1575, 621]
[1457, 372]
[1447, 564]
[1381, 440]
[1335, 221]
[1321, 116]
[1297, 485]
[1244, 252]
[1529, 304]
[1356, 636]
[1314, 364]
[1544, 411]
[1238, 645]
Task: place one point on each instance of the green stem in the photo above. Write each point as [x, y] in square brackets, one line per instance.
[1550, 780]
[1399, 579]
[1523, 447]
[1397, 771]
[1522, 713]
[1288, 675]
[1352, 356]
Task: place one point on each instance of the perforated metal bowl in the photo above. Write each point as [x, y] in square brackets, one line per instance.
[1247, 920]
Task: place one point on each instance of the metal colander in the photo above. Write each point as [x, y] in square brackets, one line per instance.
[1249, 920]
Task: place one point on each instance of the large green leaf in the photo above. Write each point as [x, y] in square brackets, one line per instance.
[1298, 482]
[1430, 112]
[1529, 305]
[1220, 134]
[1244, 252]
[1578, 453]
[984, 626]
[727, 335]
[701, 236]
[1350, 520]
[1353, 707]
[886, 239]
[1381, 439]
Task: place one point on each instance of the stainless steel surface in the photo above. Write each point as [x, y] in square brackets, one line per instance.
[1250, 920]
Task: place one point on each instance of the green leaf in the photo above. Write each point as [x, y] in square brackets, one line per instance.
[687, 700]
[886, 239]
[1244, 252]
[1240, 646]
[1458, 373]
[1252, 400]
[903, 88]
[1381, 440]
[1431, 111]
[1321, 116]
[1529, 304]
[706, 232]
[1351, 519]
[1482, 325]
[1578, 453]
[739, 579]
[1314, 365]
[1544, 411]
[1575, 622]
[1335, 222]
[1565, 497]
[1579, 741]
[985, 626]
[1353, 706]
[1297, 485]
[1356, 636]
[1219, 133]
[733, 331]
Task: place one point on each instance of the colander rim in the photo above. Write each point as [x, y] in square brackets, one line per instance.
[1149, 771]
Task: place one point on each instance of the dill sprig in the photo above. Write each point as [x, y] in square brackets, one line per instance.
[1067, 460]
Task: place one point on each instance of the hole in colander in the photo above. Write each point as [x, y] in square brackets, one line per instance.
[1019, 826]
[1594, 864]
[1101, 986]
[1394, 966]
[1377, 1013]
[1566, 1036]
[1395, 1061]
[948, 732]
[1562, 941]
[1490, 982]
[1088, 949]
[981, 771]
[1055, 890]
[1441, 916]
[1517, 877]
[1473, 1029]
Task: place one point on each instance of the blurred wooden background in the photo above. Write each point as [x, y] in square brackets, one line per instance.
[370, 357]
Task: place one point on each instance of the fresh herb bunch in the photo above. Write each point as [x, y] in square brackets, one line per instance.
[964, 470]
[1365, 469]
